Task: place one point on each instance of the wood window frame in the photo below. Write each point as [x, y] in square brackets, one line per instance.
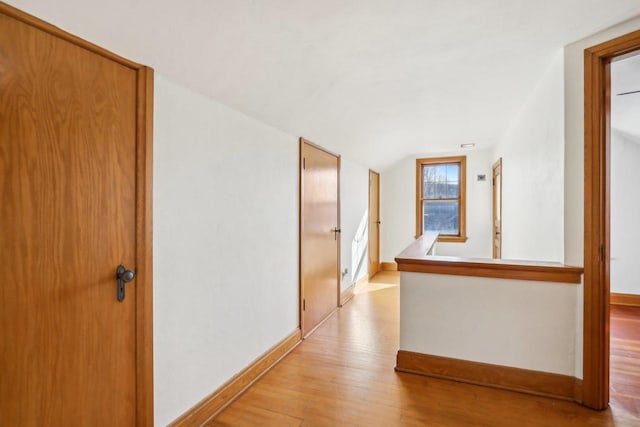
[597, 61]
[462, 160]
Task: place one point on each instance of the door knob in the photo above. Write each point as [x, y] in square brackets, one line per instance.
[123, 276]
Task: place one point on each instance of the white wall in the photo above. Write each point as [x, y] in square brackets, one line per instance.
[625, 212]
[398, 207]
[574, 156]
[354, 209]
[225, 244]
[532, 152]
[528, 325]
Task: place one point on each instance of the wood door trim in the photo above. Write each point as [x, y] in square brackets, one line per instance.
[302, 142]
[538, 383]
[339, 225]
[596, 216]
[60, 33]
[496, 166]
[212, 405]
[369, 273]
[144, 208]
[144, 248]
[314, 145]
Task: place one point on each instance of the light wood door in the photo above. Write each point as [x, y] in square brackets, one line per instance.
[319, 234]
[68, 168]
[497, 209]
[374, 223]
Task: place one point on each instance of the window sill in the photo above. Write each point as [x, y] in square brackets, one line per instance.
[456, 239]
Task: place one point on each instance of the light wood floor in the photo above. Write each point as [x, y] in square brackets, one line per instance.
[343, 376]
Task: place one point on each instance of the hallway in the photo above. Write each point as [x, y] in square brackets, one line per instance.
[343, 375]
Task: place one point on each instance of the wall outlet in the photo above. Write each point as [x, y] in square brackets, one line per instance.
[482, 177]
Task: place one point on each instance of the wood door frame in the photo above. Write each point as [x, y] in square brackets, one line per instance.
[302, 142]
[369, 274]
[144, 209]
[597, 60]
[496, 165]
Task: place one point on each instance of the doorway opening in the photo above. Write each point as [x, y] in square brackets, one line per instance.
[597, 214]
[624, 156]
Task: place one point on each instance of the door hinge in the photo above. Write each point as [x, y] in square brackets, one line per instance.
[601, 250]
[304, 304]
[304, 163]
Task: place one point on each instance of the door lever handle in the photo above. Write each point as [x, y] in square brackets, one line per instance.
[335, 233]
[123, 276]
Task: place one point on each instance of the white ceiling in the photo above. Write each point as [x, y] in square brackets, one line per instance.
[625, 109]
[374, 80]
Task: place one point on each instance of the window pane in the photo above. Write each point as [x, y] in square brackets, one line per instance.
[429, 173]
[441, 181]
[428, 178]
[453, 172]
[453, 179]
[441, 190]
[453, 190]
[441, 216]
[429, 189]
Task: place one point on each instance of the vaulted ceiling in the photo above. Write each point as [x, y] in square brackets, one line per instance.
[374, 80]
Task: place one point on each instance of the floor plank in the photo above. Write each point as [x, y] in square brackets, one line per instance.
[248, 416]
[343, 375]
[625, 360]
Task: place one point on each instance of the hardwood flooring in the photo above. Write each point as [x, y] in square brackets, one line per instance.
[625, 359]
[343, 375]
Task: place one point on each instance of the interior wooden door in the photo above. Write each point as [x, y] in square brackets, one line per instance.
[319, 234]
[72, 209]
[497, 209]
[374, 223]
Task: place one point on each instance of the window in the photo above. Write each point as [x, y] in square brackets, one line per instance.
[440, 197]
